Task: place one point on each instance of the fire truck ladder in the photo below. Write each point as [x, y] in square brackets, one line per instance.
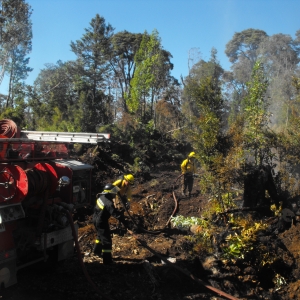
[68, 137]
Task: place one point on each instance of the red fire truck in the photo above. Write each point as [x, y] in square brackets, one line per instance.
[40, 187]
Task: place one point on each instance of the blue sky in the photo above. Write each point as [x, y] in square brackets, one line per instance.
[182, 25]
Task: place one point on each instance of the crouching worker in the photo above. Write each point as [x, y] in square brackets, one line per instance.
[103, 210]
[124, 195]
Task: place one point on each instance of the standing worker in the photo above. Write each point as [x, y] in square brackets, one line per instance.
[124, 195]
[188, 169]
[104, 209]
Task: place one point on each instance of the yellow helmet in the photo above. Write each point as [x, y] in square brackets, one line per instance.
[192, 154]
[129, 178]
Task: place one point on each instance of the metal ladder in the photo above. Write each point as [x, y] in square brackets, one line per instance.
[68, 137]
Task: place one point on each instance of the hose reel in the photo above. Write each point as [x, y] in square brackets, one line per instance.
[16, 183]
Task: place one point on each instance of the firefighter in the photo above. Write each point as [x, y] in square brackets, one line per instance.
[103, 210]
[188, 169]
[124, 195]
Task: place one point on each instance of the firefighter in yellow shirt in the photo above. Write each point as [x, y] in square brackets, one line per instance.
[188, 168]
[124, 195]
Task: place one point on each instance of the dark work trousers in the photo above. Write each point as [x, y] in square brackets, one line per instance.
[188, 182]
[103, 232]
[104, 209]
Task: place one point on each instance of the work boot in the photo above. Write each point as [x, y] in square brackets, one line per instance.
[190, 195]
[97, 249]
[107, 258]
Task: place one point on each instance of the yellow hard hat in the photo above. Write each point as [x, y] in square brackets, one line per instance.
[192, 154]
[129, 178]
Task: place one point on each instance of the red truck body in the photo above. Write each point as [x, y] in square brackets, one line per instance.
[39, 183]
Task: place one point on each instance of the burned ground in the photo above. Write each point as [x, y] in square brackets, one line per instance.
[164, 263]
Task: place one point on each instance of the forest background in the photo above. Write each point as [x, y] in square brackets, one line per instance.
[121, 83]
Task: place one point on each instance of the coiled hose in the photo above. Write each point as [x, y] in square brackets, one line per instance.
[8, 128]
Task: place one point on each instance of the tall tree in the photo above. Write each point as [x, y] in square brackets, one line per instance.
[206, 133]
[18, 71]
[125, 46]
[199, 71]
[15, 42]
[203, 89]
[243, 50]
[168, 114]
[280, 55]
[93, 52]
[53, 92]
[257, 117]
[245, 44]
[151, 76]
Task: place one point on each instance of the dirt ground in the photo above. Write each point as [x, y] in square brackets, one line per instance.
[160, 264]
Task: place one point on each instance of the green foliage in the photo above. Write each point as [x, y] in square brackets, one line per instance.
[151, 76]
[115, 157]
[245, 44]
[146, 60]
[218, 203]
[210, 143]
[242, 241]
[186, 222]
[258, 138]
[125, 45]
[17, 114]
[236, 247]
[114, 131]
[15, 44]
[203, 88]
[92, 66]
[207, 96]
[203, 232]
[94, 89]
[150, 128]
[136, 165]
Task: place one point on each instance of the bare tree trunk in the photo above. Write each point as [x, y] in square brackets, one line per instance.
[9, 96]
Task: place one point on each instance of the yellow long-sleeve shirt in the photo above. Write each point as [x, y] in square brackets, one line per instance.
[188, 166]
[124, 189]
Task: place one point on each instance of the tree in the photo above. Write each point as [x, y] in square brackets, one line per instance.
[199, 71]
[245, 44]
[257, 118]
[54, 93]
[15, 43]
[243, 51]
[280, 56]
[93, 53]
[168, 110]
[125, 46]
[203, 88]
[208, 139]
[151, 76]
[18, 71]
